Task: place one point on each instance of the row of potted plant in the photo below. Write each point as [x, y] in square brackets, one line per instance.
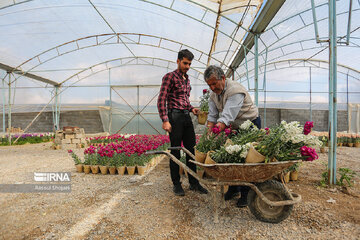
[128, 152]
[26, 138]
[342, 139]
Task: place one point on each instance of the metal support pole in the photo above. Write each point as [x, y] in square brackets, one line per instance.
[57, 112]
[310, 98]
[4, 99]
[332, 93]
[9, 109]
[138, 111]
[110, 110]
[256, 70]
[347, 101]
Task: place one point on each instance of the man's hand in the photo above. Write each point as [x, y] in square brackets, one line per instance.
[221, 126]
[166, 126]
[210, 125]
[195, 111]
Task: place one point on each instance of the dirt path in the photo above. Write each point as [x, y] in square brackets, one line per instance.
[125, 207]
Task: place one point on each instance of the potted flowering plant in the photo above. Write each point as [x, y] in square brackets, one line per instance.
[357, 140]
[78, 164]
[204, 107]
[210, 141]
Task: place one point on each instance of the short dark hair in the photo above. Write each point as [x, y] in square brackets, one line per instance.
[213, 70]
[185, 53]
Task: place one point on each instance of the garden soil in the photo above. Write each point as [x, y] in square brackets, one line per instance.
[134, 207]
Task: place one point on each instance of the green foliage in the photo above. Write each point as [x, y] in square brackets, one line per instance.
[294, 167]
[347, 175]
[204, 101]
[211, 141]
[75, 158]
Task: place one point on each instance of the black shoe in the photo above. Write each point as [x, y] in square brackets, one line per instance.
[230, 194]
[178, 190]
[198, 188]
[242, 202]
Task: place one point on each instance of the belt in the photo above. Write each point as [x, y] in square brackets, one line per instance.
[178, 110]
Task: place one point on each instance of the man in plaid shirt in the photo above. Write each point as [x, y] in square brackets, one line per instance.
[174, 109]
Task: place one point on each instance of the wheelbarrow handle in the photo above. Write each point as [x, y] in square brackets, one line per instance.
[184, 149]
[155, 152]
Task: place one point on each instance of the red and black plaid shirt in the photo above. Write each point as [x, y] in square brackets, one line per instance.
[174, 93]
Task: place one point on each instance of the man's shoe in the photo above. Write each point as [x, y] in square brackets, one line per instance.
[242, 202]
[198, 188]
[230, 194]
[178, 190]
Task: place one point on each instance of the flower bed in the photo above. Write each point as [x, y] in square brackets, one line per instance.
[26, 138]
[122, 150]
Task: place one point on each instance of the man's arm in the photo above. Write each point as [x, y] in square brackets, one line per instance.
[161, 102]
[231, 109]
[162, 99]
[213, 114]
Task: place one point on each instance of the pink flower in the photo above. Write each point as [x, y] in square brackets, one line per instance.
[70, 151]
[267, 131]
[307, 127]
[216, 129]
[227, 131]
[310, 152]
[205, 91]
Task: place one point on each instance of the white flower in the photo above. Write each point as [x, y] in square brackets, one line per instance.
[312, 141]
[293, 130]
[233, 149]
[246, 125]
[245, 150]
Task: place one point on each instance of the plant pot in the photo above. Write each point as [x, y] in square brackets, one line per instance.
[103, 170]
[202, 117]
[208, 159]
[87, 169]
[141, 170]
[287, 177]
[79, 168]
[254, 156]
[357, 145]
[199, 156]
[94, 169]
[112, 170]
[294, 175]
[121, 170]
[350, 144]
[130, 170]
[57, 147]
[322, 150]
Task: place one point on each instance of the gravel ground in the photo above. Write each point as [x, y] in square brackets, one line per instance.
[134, 207]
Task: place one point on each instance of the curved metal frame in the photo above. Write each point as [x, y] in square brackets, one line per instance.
[105, 42]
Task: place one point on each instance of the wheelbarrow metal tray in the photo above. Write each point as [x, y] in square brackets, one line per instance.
[245, 172]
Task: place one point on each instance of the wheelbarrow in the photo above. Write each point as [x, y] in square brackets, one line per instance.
[268, 200]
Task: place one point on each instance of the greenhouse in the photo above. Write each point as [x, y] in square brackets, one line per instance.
[88, 73]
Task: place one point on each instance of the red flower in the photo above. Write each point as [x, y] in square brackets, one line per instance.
[205, 91]
[307, 127]
[70, 151]
[216, 129]
[267, 131]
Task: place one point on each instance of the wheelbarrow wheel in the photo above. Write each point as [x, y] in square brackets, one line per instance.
[274, 191]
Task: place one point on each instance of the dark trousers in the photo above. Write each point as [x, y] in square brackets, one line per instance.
[244, 189]
[182, 130]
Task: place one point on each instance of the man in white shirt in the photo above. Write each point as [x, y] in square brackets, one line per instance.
[229, 105]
